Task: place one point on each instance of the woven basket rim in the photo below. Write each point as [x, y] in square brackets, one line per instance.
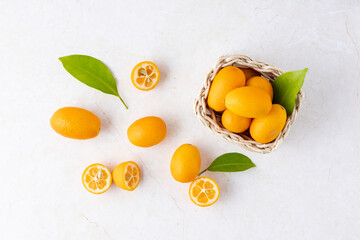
[208, 117]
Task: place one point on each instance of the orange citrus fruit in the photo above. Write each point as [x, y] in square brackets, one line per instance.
[249, 73]
[145, 75]
[127, 175]
[147, 131]
[250, 102]
[185, 163]
[73, 122]
[261, 83]
[96, 178]
[234, 123]
[265, 129]
[204, 191]
[226, 79]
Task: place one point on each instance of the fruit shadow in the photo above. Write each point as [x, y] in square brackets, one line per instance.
[104, 118]
[172, 131]
[106, 124]
[163, 69]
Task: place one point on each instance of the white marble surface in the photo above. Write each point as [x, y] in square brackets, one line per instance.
[307, 189]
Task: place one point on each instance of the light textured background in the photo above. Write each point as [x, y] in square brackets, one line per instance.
[307, 189]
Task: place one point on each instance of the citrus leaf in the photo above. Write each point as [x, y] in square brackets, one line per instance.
[91, 72]
[286, 87]
[230, 162]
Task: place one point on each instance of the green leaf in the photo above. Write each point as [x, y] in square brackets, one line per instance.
[91, 72]
[286, 87]
[230, 162]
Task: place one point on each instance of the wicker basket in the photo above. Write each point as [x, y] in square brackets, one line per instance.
[211, 119]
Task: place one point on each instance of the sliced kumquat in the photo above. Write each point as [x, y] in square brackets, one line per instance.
[204, 191]
[96, 178]
[145, 76]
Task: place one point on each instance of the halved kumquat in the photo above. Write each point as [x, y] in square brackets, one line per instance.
[204, 191]
[96, 178]
[127, 175]
[145, 75]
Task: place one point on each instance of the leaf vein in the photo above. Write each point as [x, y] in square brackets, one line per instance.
[96, 77]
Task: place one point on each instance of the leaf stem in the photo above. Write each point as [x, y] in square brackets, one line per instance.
[123, 102]
[202, 172]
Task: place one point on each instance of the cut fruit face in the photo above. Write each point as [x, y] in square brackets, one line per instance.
[96, 178]
[145, 76]
[204, 191]
[127, 175]
[132, 175]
